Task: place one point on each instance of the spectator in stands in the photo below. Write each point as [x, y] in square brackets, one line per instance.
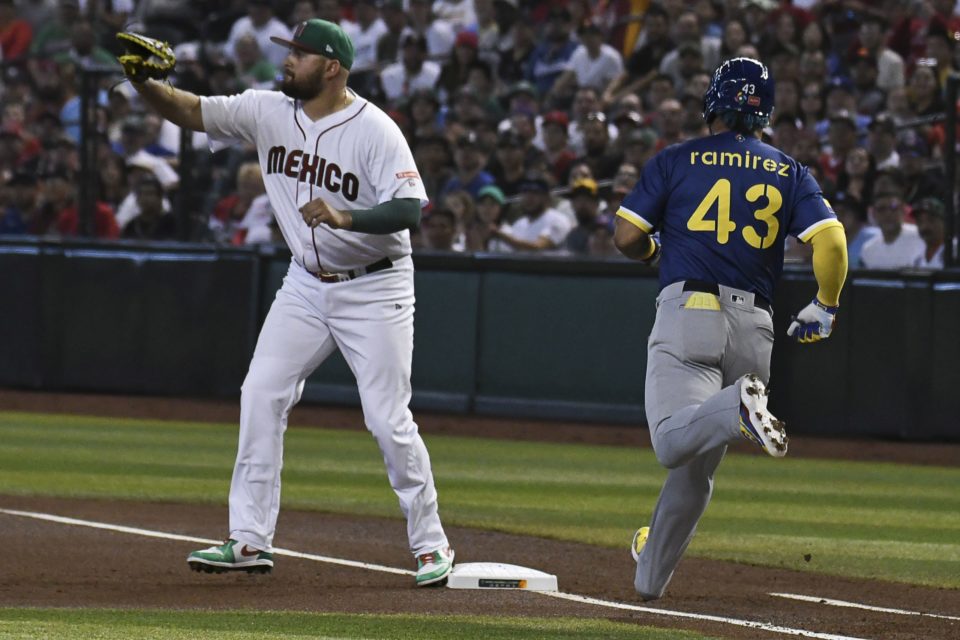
[899, 244]
[470, 159]
[870, 99]
[112, 175]
[643, 64]
[516, 52]
[601, 242]
[585, 198]
[921, 177]
[593, 63]
[490, 215]
[540, 228]
[153, 223]
[435, 161]
[254, 70]
[58, 213]
[423, 110]
[15, 32]
[853, 216]
[388, 46]
[510, 168]
[813, 38]
[488, 29]
[365, 34]
[84, 50]
[890, 70]
[623, 182]
[549, 59]
[19, 202]
[931, 216]
[228, 223]
[812, 106]
[857, 175]
[661, 88]
[459, 13]
[734, 36]
[669, 122]
[440, 230]
[439, 33]
[456, 70]
[603, 160]
[54, 36]
[464, 207]
[559, 155]
[132, 147]
[923, 90]
[303, 10]
[941, 46]
[686, 30]
[639, 147]
[262, 24]
[813, 68]
[842, 134]
[883, 142]
[400, 79]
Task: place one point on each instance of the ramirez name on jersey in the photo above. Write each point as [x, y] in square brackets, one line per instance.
[740, 161]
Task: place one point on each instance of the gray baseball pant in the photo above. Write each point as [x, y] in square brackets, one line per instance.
[696, 357]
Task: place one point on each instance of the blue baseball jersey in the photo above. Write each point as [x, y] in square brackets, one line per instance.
[723, 205]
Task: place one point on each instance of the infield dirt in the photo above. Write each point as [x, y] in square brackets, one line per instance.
[55, 565]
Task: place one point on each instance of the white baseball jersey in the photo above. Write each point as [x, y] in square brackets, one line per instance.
[355, 158]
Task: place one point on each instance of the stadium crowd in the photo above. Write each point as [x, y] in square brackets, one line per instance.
[529, 121]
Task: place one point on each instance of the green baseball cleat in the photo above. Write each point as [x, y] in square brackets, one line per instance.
[231, 556]
[433, 568]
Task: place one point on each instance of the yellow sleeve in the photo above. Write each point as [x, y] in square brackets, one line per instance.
[829, 262]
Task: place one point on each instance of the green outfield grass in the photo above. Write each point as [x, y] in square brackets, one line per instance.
[74, 624]
[872, 520]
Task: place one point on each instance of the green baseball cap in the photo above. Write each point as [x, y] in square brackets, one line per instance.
[321, 38]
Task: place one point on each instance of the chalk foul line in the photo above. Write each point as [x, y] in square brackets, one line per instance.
[858, 605]
[385, 569]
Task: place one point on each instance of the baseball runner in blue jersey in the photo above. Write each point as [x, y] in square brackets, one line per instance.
[723, 205]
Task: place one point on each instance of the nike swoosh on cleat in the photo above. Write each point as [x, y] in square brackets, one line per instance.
[247, 551]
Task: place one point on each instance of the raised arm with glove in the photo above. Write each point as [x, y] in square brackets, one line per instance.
[145, 58]
[815, 321]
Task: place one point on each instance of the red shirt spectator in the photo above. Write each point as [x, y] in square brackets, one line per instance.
[104, 224]
[15, 34]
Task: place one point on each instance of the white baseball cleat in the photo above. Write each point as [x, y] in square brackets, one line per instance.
[756, 423]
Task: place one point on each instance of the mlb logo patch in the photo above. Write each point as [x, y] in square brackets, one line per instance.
[753, 101]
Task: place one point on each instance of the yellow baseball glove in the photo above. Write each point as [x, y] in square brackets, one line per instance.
[145, 57]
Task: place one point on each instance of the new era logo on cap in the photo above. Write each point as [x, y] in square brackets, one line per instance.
[329, 49]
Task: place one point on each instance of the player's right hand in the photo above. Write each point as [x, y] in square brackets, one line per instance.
[814, 322]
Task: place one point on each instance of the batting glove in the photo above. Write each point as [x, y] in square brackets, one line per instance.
[814, 322]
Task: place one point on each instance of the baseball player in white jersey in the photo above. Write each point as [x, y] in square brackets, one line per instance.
[345, 189]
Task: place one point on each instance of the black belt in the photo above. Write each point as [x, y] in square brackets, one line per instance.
[711, 287]
[344, 276]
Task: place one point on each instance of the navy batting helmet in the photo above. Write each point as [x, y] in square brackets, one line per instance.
[743, 85]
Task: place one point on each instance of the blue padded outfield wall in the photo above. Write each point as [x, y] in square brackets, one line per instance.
[550, 338]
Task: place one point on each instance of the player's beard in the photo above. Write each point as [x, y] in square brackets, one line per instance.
[305, 87]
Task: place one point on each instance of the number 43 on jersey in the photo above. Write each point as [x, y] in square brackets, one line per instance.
[720, 195]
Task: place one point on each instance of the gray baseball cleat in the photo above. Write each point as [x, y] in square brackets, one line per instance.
[756, 423]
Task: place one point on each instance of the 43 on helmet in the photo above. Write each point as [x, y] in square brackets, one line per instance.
[743, 85]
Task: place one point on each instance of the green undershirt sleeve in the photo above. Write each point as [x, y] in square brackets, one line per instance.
[387, 217]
